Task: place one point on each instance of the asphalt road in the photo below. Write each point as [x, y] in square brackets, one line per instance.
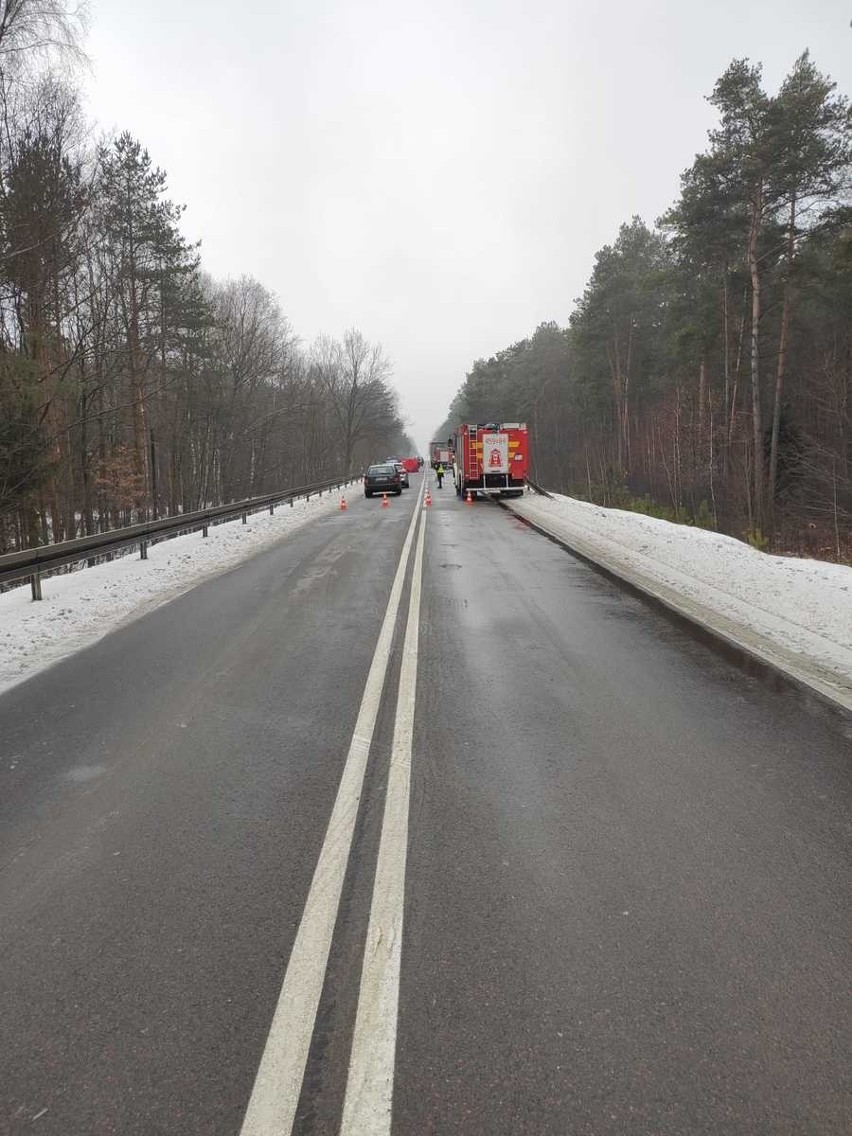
[626, 886]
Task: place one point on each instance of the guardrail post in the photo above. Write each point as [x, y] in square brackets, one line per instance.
[35, 582]
[271, 510]
[244, 518]
[143, 549]
[291, 502]
[204, 529]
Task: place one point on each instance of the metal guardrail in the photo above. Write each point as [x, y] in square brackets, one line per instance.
[537, 488]
[34, 563]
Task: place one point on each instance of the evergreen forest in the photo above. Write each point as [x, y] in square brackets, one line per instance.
[704, 373]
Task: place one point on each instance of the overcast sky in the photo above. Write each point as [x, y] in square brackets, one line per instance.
[438, 175]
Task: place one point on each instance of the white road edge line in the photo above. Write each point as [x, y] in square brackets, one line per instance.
[369, 1090]
[278, 1084]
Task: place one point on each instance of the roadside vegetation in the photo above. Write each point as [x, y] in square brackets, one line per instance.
[132, 384]
[704, 373]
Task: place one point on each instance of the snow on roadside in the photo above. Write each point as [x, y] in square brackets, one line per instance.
[83, 606]
[802, 606]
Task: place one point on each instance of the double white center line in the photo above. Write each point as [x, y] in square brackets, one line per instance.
[367, 1105]
[369, 1089]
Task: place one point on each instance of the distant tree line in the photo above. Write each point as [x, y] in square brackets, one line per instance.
[132, 385]
[705, 372]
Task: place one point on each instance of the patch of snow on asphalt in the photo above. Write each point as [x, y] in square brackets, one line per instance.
[83, 606]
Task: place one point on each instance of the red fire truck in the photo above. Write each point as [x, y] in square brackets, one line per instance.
[491, 458]
[441, 453]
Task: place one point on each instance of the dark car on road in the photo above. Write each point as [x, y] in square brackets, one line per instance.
[382, 478]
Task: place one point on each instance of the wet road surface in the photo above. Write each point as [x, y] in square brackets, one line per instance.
[627, 862]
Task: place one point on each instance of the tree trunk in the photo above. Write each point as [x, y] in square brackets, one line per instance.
[702, 395]
[735, 392]
[757, 417]
[727, 366]
[614, 357]
[625, 425]
[137, 390]
[782, 361]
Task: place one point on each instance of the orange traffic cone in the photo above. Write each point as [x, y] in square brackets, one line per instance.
[469, 499]
[343, 505]
[427, 499]
[385, 502]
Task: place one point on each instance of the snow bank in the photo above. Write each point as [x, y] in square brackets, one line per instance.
[796, 614]
[81, 607]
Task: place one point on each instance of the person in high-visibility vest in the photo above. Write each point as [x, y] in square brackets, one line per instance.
[439, 473]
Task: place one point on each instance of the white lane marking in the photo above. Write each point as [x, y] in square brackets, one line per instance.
[272, 1106]
[369, 1089]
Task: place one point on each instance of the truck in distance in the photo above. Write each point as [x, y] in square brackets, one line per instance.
[441, 453]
